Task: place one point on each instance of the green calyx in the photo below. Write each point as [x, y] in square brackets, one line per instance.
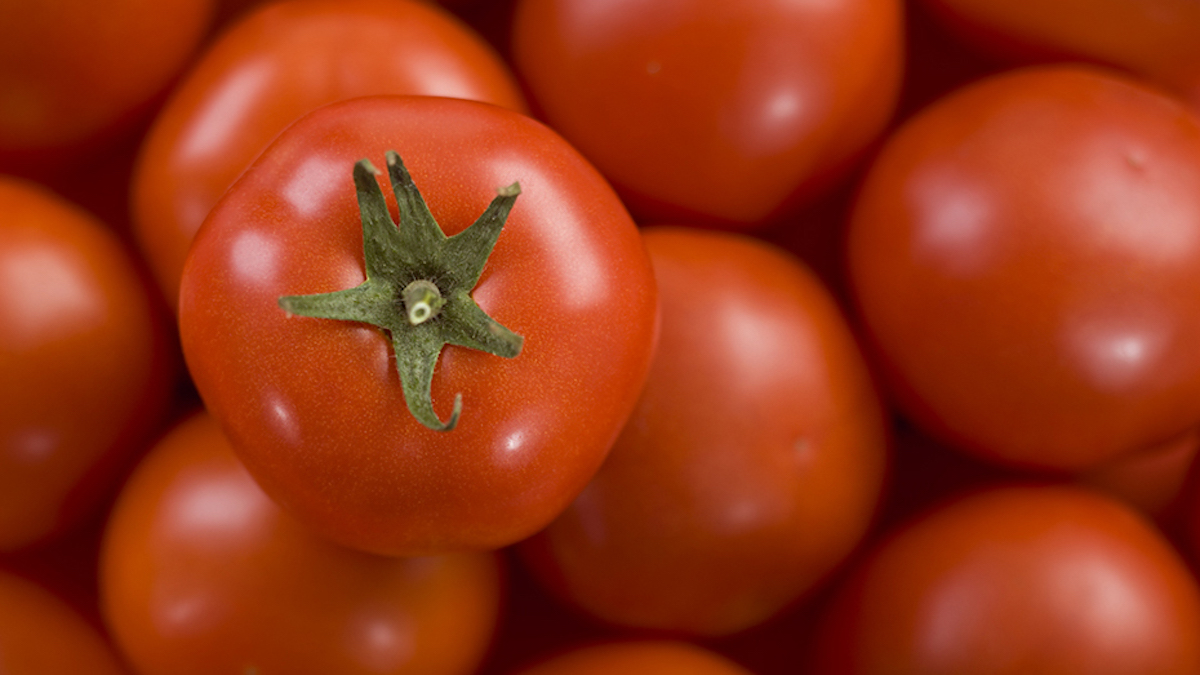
[419, 283]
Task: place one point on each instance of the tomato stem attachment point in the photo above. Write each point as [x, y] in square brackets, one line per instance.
[399, 295]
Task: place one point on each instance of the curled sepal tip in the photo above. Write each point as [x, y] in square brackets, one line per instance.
[418, 284]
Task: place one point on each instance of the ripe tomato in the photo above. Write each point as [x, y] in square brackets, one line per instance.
[41, 635]
[708, 110]
[643, 658]
[752, 463]
[315, 407]
[1024, 254]
[202, 573]
[1158, 39]
[85, 367]
[73, 72]
[1018, 580]
[272, 67]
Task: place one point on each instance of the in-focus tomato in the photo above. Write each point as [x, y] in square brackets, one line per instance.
[85, 366]
[644, 658]
[713, 111]
[202, 573]
[74, 72]
[752, 464]
[1025, 255]
[1018, 580]
[316, 408]
[41, 635]
[1157, 39]
[272, 67]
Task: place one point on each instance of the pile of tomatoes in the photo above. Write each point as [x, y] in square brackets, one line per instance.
[562, 337]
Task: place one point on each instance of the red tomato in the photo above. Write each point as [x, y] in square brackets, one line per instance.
[1153, 480]
[1018, 580]
[73, 72]
[752, 463]
[643, 658]
[41, 635]
[274, 66]
[708, 110]
[1158, 39]
[315, 406]
[202, 573]
[85, 367]
[1024, 254]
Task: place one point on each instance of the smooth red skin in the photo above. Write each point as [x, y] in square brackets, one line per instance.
[42, 635]
[1027, 580]
[202, 573]
[752, 463]
[1025, 255]
[314, 407]
[1153, 480]
[1156, 39]
[709, 111]
[272, 67]
[85, 367]
[644, 658]
[75, 72]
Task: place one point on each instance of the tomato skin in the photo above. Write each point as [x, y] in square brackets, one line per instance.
[58, 58]
[1156, 39]
[272, 67]
[85, 367]
[642, 657]
[42, 635]
[314, 407]
[1024, 254]
[752, 463]
[1020, 579]
[202, 573]
[712, 112]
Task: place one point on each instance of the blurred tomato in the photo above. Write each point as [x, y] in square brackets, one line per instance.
[642, 658]
[272, 67]
[752, 463]
[40, 635]
[725, 113]
[1156, 39]
[74, 72]
[85, 366]
[1024, 254]
[202, 573]
[1018, 580]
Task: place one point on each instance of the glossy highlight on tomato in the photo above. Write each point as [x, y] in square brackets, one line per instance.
[314, 407]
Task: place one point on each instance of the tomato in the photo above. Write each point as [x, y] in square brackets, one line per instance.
[75, 72]
[270, 68]
[85, 366]
[1156, 39]
[1154, 479]
[752, 463]
[644, 658]
[709, 111]
[41, 635]
[202, 573]
[1024, 254]
[1020, 579]
[315, 407]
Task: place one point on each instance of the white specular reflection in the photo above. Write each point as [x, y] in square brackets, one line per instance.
[953, 222]
[1113, 350]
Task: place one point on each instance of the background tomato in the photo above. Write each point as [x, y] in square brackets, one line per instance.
[1156, 39]
[1018, 580]
[1023, 254]
[202, 573]
[41, 635]
[645, 658]
[85, 366]
[712, 111]
[752, 463]
[314, 406]
[270, 68]
[75, 72]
